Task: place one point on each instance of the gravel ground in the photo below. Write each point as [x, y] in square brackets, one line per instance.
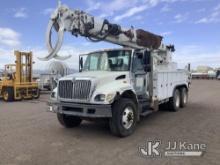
[30, 135]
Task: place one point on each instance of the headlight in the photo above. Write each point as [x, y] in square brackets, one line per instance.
[110, 97]
[53, 94]
[100, 97]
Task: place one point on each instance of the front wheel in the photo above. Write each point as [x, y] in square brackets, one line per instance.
[8, 94]
[68, 121]
[124, 117]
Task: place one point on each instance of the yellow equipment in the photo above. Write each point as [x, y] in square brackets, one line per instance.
[17, 82]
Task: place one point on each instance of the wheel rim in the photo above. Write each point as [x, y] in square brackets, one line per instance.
[128, 117]
[177, 100]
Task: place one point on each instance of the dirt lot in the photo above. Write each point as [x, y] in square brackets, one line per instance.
[30, 135]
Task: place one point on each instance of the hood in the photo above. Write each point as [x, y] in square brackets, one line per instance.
[100, 77]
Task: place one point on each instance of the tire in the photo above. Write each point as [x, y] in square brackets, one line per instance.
[183, 97]
[8, 94]
[174, 102]
[37, 94]
[69, 121]
[124, 117]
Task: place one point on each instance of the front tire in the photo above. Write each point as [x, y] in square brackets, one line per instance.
[124, 117]
[69, 121]
[8, 94]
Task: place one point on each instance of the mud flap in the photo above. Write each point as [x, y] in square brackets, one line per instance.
[155, 105]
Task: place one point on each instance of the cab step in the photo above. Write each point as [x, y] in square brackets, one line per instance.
[146, 113]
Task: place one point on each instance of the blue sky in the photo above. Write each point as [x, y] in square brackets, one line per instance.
[192, 25]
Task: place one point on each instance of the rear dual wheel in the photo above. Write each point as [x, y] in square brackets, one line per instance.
[183, 97]
[179, 99]
[174, 102]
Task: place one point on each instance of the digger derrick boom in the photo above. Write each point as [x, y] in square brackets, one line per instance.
[79, 23]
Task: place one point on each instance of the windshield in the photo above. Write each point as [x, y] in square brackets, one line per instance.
[115, 60]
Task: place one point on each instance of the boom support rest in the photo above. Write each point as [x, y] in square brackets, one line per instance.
[148, 39]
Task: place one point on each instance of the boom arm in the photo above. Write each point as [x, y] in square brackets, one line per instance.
[79, 23]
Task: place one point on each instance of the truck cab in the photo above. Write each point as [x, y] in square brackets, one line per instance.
[120, 85]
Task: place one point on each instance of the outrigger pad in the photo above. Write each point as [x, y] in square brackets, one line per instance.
[147, 39]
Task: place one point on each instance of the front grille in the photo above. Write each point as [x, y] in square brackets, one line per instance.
[66, 89]
[81, 89]
[78, 89]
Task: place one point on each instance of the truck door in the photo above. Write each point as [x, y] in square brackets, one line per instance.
[139, 74]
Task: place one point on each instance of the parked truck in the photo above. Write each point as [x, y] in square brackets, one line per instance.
[119, 85]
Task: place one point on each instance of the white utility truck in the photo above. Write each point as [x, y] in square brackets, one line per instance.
[119, 85]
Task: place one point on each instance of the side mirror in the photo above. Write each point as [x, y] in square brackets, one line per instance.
[80, 64]
[189, 67]
[147, 68]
